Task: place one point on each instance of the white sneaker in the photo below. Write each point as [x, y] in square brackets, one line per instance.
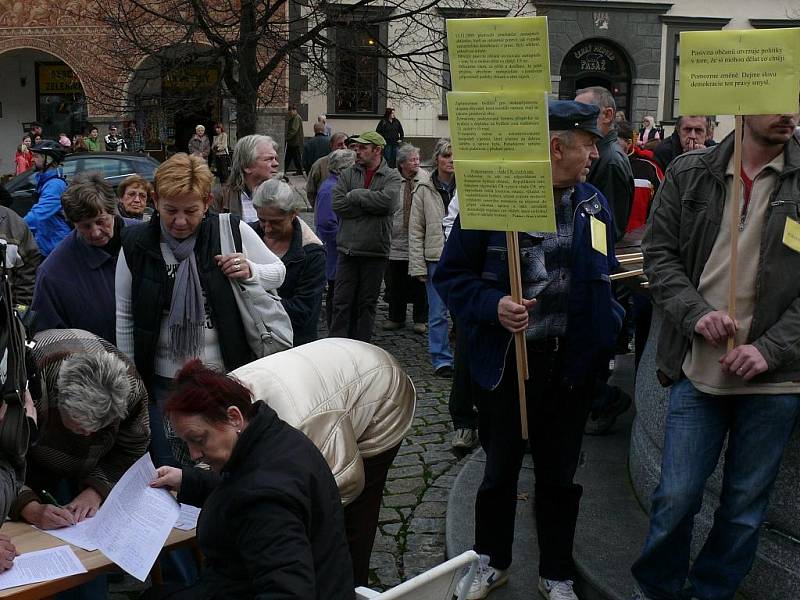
[464, 439]
[486, 579]
[557, 590]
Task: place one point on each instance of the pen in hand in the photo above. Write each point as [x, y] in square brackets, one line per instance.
[61, 512]
[47, 497]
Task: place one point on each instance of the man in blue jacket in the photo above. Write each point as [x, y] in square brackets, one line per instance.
[570, 320]
[46, 218]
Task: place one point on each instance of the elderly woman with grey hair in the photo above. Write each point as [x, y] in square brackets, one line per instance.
[326, 221]
[289, 238]
[255, 160]
[75, 283]
[401, 288]
[93, 425]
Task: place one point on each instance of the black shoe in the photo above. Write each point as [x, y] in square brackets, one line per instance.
[445, 372]
[602, 420]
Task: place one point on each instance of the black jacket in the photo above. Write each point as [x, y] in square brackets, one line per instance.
[392, 131]
[611, 174]
[272, 525]
[301, 292]
[667, 150]
[314, 149]
[151, 291]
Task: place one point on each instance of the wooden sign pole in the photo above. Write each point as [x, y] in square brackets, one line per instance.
[736, 216]
[514, 272]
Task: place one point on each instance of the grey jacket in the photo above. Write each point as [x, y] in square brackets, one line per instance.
[365, 215]
[683, 226]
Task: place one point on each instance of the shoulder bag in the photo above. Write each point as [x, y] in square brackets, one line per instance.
[266, 325]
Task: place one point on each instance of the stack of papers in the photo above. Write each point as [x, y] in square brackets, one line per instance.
[42, 565]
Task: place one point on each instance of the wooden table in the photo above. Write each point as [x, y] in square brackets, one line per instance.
[27, 539]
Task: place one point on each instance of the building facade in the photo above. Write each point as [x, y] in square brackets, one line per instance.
[52, 69]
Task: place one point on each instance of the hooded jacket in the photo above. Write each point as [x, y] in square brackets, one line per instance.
[46, 218]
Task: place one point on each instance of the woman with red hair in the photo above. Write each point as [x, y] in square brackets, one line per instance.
[271, 523]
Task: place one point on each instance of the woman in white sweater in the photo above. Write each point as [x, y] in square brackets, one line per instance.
[174, 299]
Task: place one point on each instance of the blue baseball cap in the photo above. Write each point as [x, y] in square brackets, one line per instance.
[565, 115]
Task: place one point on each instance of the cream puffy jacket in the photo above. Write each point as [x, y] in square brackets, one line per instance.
[352, 399]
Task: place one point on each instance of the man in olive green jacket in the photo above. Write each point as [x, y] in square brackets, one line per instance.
[365, 199]
[750, 394]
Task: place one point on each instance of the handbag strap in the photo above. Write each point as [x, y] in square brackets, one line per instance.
[226, 241]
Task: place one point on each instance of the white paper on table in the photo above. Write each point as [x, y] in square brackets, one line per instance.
[80, 535]
[188, 517]
[135, 520]
[42, 565]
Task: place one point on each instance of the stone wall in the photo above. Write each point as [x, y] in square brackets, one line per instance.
[776, 572]
[635, 28]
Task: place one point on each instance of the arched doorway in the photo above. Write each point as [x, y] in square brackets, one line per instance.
[597, 62]
[38, 86]
[170, 96]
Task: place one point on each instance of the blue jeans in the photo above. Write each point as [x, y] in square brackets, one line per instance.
[438, 327]
[758, 428]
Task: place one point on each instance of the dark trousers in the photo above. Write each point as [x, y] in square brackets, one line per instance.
[464, 391]
[294, 154]
[402, 289]
[556, 417]
[355, 299]
[361, 515]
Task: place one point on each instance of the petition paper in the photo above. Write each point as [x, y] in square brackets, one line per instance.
[42, 565]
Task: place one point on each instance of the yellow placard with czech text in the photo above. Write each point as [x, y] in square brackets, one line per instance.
[499, 126]
[752, 72]
[499, 54]
[791, 234]
[505, 195]
[598, 229]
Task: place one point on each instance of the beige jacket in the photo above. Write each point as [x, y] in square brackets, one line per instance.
[425, 231]
[399, 247]
[352, 399]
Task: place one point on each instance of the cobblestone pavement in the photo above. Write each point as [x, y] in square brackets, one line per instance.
[411, 532]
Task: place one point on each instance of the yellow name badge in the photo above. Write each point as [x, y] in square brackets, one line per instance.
[791, 234]
[598, 229]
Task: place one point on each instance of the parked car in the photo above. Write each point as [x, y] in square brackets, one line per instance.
[114, 166]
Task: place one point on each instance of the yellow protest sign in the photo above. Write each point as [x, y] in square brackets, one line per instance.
[791, 234]
[502, 126]
[751, 72]
[505, 195]
[489, 55]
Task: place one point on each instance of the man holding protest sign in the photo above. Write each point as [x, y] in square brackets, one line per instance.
[750, 393]
[570, 320]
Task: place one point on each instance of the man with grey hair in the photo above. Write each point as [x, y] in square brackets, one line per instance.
[401, 288]
[611, 173]
[255, 159]
[691, 133]
[570, 320]
[93, 425]
[316, 147]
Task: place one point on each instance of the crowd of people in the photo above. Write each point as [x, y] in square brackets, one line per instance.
[142, 344]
